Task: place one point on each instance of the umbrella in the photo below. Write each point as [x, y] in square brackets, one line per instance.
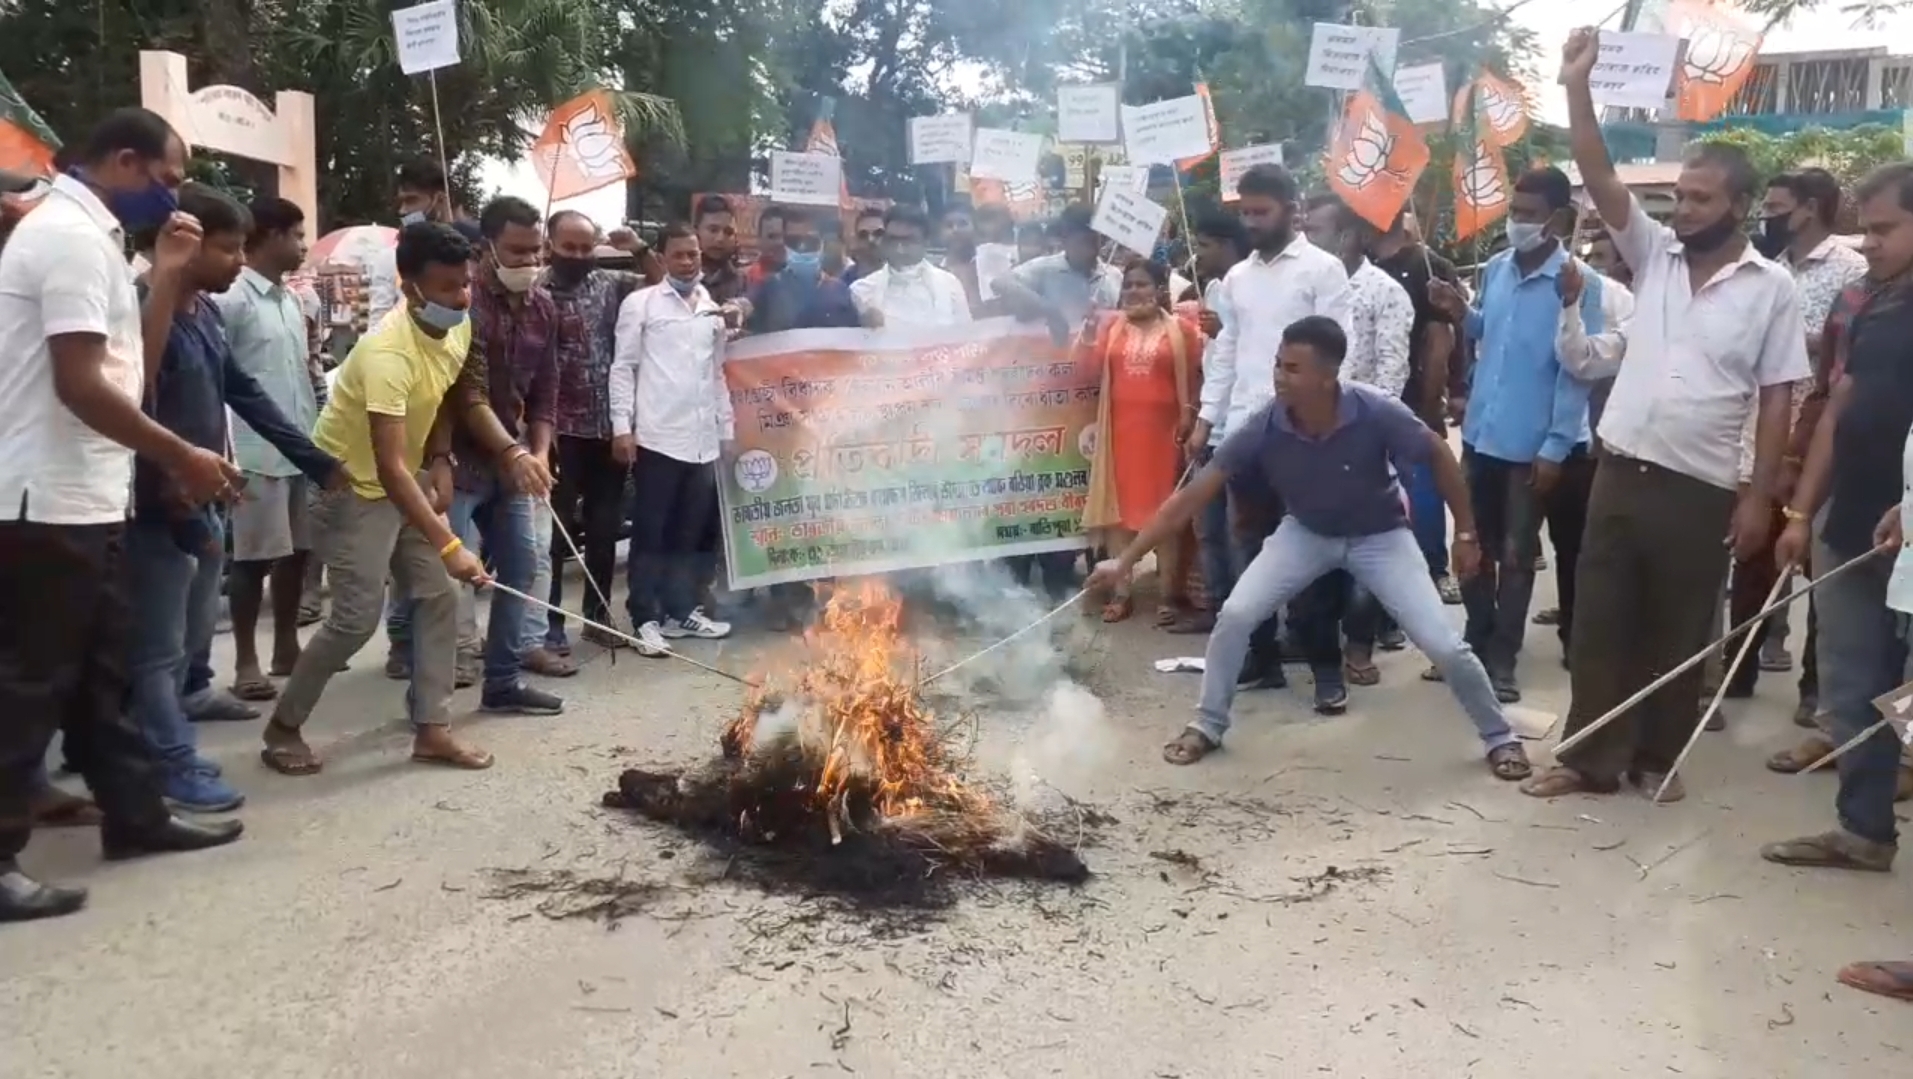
[359, 245]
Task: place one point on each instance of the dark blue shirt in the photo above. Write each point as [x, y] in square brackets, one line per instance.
[1339, 484]
[784, 302]
[198, 380]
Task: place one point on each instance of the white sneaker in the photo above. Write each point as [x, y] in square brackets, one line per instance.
[696, 624]
[651, 641]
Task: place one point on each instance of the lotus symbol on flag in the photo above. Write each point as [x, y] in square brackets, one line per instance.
[1367, 158]
[1716, 54]
[1481, 182]
[593, 145]
[1021, 192]
[1502, 112]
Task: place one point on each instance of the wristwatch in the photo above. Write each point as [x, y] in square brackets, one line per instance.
[1465, 537]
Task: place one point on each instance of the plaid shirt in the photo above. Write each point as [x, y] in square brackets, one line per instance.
[514, 359]
[587, 331]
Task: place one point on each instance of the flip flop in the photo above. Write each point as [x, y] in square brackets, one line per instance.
[1887, 979]
[464, 758]
[1362, 674]
[287, 760]
[1192, 623]
[257, 690]
[1118, 609]
[1510, 762]
[1189, 747]
[1561, 781]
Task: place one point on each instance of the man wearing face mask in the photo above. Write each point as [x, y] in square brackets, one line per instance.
[422, 195]
[908, 291]
[1716, 334]
[1526, 411]
[773, 252]
[798, 296]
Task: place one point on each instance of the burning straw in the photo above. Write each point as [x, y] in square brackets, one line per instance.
[839, 779]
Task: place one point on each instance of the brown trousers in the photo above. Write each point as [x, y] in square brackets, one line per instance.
[1649, 581]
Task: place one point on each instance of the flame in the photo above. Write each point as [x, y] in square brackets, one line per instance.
[862, 729]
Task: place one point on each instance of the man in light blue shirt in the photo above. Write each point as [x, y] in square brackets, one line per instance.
[1526, 414]
[266, 326]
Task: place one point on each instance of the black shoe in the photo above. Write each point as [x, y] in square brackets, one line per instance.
[1260, 673]
[1392, 641]
[1331, 693]
[522, 700]
[23, 899]
[171, 836]
[1507, 690]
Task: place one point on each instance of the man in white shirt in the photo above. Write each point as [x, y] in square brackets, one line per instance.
[1285, 279]
[908, 292]
[670, 417]
[1716, 335]
[74, 359]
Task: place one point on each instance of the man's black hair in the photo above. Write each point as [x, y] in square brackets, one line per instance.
[708, 205]
[1268, 181]
[506, 210]
[1548, 182]
[676, 230]
[1731, 160]
[142, 131]
[1322, 334]
[1227, 227]
[1816, 184]
[779, 214]
[1896, 178]
[562, 216]
[958, 206]
[428, 243]
[273, 216]
[1073, 221]
[216, 210]
[423, 174]
[872, 211]
[1346, 219]
[906, 215]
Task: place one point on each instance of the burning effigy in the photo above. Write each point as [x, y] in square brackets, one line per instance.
[839, 777]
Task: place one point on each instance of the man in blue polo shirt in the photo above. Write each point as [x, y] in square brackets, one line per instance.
[1327, 449]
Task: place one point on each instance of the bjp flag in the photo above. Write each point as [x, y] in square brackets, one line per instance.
[1722, 50]
[823, 140]
[1215, 129]
[1499, 107]
[582, 147]
[26, 142]
[1377, 154]
[1481, 171]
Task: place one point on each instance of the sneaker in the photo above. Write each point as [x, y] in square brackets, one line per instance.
[1507, 690]
[1807, 713]
[1450, 590]
[1331, 692]
[1833, 850]
[190, 790]
[651, 641]
[603, 639]
[521, 700]
[548, 663]
[1774, 657]
[1547, 616]
[220, 707]
[398, 666]
[1394, 640]
[206, 765]
[696, 624]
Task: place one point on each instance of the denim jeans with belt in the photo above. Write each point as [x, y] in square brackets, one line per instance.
[175, 601]
[500, 519]
[1863, 653]
[1389, 565]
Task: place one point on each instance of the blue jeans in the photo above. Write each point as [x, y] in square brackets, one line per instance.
[1863, 653]
[500, 521]
[1428, 515]
[1387, 565]
[538, 628]
[175, 601]
[1213, 546]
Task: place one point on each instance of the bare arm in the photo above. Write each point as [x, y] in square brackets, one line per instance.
[80, 382]
[1611, 197]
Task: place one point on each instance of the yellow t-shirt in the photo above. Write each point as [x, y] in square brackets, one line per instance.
[395, 370]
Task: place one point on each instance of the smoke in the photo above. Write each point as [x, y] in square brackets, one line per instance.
[1069, 745]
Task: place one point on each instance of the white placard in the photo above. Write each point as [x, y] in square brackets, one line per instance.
[1129, 219]
[1424, 92]
[427, 36]
[1006, 155]
[940, 140]
[993, 263]
[1236, 162]
[1166, 132]
[806, 179]
[1338, 55]
[1133, 177]
[1635, 71]
[1089, 113]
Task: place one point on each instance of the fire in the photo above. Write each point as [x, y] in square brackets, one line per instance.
[866, 743]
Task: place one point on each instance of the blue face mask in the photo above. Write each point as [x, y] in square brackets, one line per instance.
[412, 218]
[137, 211]
[683, 285]
[804, 264]
[438, 316]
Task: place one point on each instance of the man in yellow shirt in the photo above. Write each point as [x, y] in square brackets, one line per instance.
[389, 420]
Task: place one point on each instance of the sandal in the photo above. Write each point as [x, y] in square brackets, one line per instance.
[1510, 762]
[1362, 674]
[453, 754]
[1192, 623]
[1831, 850]
[1562, 780]
[1189, 747]
[1794, 761]
[1886, 979]
[289, 759]
[1118, 609]
[1166, 615]
[1432, 674]
[255, 688]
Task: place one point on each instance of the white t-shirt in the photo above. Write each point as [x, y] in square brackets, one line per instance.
[64, 271]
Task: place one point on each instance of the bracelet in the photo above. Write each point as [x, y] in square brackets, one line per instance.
[450, 549]
[510, 456]
[1792, 514]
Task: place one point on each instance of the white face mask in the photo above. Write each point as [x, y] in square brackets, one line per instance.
[1523, 236]
[518, 278]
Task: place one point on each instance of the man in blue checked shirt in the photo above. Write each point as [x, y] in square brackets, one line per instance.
[1526, 413]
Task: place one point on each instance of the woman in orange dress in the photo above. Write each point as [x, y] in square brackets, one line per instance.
[1151, 364]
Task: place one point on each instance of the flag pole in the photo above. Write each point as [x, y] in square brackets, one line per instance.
[438, 126]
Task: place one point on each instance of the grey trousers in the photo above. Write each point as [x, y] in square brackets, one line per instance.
[363, 541]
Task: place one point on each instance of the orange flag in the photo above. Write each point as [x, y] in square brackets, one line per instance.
[1722, 48]
[823, 140]
[582, 147]
[1502, 108]
[1481, 170]
[1215, 129]
[26, 142]
[1377, 154]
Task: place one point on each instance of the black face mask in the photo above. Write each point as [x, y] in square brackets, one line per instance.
[1776, 233]
[1705, 240]
[567, 270]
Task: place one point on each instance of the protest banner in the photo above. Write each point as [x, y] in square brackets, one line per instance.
[1635, 71]
[868, 451]
[1338, 55]
[941, 140]
[1089, 113]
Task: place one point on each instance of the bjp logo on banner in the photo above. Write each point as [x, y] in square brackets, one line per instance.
[1722, 51]
[1377, 154]
[582, 147]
